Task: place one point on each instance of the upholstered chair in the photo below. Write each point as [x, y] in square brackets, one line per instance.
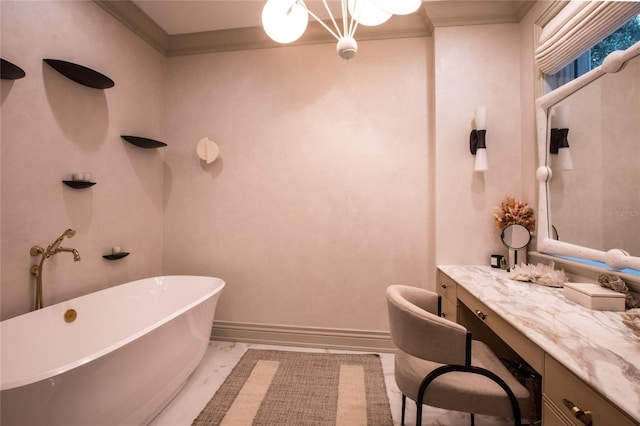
[438, 364]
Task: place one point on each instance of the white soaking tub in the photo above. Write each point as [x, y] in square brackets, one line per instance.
[125, 355]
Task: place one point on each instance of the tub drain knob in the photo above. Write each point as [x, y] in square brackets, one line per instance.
[70, 315]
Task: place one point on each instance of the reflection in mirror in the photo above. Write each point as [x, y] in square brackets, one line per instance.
[595, 205]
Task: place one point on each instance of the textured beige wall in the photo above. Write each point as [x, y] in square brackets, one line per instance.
[475, 66]
[320, 198]
[328, 181]
[52, 126]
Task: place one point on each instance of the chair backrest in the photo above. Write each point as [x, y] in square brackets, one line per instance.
[417, 329]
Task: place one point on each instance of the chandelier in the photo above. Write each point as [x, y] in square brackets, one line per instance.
[285, 21]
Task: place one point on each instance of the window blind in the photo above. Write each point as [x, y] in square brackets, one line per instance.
[577, 27]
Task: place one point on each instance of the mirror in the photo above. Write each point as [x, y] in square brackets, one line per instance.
[516, 237]
[594, 209]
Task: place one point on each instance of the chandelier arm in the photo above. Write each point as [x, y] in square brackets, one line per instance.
[353, 22]
[345, 15]
[326, 27]
[335, 24]
[354, 25]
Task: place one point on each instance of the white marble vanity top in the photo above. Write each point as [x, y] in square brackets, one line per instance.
[595, 345]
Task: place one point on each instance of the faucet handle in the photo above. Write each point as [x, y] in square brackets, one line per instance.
[36, 250]
[35, 271]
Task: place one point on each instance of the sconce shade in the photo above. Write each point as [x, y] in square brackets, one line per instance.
[564, 159]
[481, 118]
[284, 21]
[366, 13]
[562, 116]
[481, 164]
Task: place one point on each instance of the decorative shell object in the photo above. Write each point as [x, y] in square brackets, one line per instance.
[207, 150]
[542, 274]
[615, 283]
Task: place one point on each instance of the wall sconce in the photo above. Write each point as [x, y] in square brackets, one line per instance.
[558, 143]
[477, 140]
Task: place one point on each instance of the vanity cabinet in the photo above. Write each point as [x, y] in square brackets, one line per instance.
[449, 299]
[528, 350]
[560, 387]
[543, 327]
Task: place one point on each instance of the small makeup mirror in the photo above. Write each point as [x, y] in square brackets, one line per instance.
[516, 238]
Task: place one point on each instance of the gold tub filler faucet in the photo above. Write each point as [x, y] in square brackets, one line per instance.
[53, 248]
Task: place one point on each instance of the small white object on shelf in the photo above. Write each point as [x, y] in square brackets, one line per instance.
[594, 296]
[81, 177]
[116, 250]
[207, 150]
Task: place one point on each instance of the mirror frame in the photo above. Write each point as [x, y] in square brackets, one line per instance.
[614, 258]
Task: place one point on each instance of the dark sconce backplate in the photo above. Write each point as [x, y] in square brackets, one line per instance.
[558, 140]
[477, 140]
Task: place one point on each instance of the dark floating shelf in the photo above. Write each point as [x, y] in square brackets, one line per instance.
[143, 142]
[79, 74]
[78, 184]
[116, 256]
[9, 71]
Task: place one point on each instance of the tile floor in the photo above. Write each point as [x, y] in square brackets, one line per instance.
[221, 357]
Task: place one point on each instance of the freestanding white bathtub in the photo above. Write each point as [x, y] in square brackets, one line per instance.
[128, 352]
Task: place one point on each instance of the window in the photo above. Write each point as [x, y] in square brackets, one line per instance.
[624, 37]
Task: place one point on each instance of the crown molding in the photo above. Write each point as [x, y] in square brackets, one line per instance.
[433, 13]
[463, 13]
[130, 15]
[255, 37]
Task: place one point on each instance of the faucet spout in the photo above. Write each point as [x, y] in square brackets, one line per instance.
[76, 255]
[53, 248]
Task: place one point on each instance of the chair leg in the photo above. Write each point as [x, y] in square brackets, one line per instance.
[418, 414]
[473, 419]
[404, 405]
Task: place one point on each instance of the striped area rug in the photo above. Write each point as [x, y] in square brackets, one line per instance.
[300, 388]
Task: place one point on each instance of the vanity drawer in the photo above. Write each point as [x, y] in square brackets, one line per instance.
[559, 383]
[528, 350]
[550, 415]
[449, 310]
[447, 288]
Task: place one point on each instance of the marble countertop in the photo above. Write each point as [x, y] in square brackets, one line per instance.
[595, 345]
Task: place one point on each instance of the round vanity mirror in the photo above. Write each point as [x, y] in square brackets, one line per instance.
[515, 237]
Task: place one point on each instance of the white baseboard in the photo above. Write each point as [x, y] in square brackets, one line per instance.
[286, 335]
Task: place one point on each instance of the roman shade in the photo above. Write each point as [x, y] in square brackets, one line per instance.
[577, 27]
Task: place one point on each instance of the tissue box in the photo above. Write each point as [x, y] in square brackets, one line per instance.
[594, 296]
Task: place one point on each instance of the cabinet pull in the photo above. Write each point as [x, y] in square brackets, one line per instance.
[481, 314]
[443, 314]
[444, 286]
[580, 414]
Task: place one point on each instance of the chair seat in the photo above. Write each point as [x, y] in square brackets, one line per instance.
[467, 392]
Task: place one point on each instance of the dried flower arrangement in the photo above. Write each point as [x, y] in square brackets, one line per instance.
[512, 211]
